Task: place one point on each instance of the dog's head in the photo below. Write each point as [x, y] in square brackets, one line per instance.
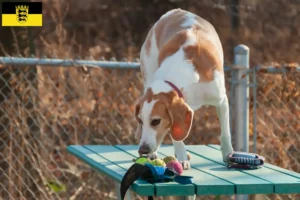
[159, 114]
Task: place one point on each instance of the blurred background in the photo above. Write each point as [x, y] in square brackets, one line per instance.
[44, 108]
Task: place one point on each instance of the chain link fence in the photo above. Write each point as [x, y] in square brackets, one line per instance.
[48, 104]
[275, 124]
[278, 115]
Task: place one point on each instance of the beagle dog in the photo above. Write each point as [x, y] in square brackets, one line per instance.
[181, 63]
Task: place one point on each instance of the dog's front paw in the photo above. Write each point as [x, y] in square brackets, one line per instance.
[185, 164]
[152, 156]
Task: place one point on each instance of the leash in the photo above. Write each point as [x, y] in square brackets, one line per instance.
[152, 174]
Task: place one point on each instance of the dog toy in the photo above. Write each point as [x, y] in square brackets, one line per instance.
[168, 159]
[158, 162]
[175, 166]
[244, 160]
[142, 160]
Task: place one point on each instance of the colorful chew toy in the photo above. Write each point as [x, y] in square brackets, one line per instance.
[142, 160]
[175, 166]
[168, 159]
[158, 162]
[169, 162]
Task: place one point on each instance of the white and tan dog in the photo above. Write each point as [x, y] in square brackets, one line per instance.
[182, 67]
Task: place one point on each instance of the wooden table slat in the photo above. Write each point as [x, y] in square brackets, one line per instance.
[211, 176]
[283, 183]
[124, 161]
[274, 167]
[244, 184]
[110, 169]
[96, 162]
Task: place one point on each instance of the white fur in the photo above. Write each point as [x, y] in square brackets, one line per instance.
[181, 153]
[177, 70]
[182, 73]
[158, 86]
[168, 13]
[206, 93]
[190, 20]
[150, 63]
[191, 38]
[148, 133]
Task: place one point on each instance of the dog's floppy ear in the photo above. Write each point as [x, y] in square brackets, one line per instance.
[182, 117]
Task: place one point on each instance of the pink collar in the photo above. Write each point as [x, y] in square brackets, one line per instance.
[175, 88]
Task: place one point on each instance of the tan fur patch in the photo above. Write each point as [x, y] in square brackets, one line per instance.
[168, 26]
[148, 42]
[173, 112]
[172, 46]
[204, 55]
[149, 96]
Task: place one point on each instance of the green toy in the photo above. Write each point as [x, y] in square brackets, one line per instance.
[142, 160]
[158, 162]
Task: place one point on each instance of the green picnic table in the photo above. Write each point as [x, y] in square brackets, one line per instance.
[210, 174]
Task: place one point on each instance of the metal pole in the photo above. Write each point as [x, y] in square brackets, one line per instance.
[241, 59]
[241, 106]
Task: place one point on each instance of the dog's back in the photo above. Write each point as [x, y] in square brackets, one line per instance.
[182, 29]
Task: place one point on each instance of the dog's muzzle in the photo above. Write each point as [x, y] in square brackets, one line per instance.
[144, 149]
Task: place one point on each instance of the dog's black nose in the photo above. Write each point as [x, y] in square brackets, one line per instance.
[144, 149]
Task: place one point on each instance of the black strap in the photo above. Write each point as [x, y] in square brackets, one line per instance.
[150, 173]
[133, 173]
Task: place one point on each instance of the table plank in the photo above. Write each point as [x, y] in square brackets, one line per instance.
[163, 189]
[108, 168]
[123, 160]
[283, 183]
[267, 165]
[244, 184]
[211, 176]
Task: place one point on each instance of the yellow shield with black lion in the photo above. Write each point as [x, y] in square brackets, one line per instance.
[22, 13]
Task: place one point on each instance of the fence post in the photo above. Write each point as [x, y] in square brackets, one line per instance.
[241, 107]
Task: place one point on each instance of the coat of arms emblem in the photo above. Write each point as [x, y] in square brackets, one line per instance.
[22, 13]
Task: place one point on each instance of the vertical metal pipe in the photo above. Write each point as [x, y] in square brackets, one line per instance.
[241, 106]
[241, 60]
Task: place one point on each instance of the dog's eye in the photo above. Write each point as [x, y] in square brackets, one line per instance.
[155, 122]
